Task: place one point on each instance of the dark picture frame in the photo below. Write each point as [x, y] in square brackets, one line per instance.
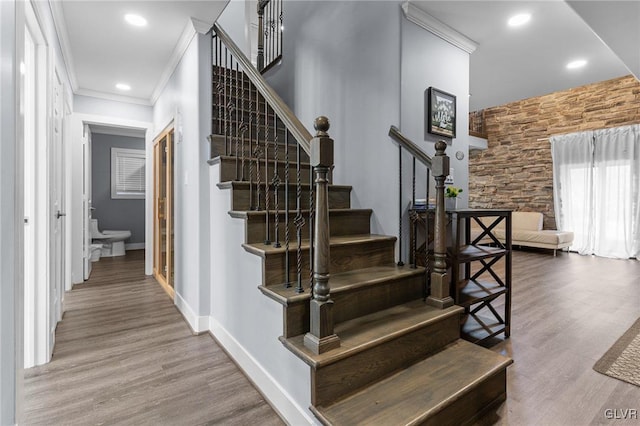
[441, 113]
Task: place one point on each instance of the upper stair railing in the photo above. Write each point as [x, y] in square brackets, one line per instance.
[256, 125]
[270, 28]
[439, 288]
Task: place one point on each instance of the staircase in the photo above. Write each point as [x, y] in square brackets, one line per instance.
[399, 361]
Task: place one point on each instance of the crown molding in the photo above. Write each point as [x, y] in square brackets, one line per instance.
[63, 38]
[193, 27]
[112, 97]
[440, 29]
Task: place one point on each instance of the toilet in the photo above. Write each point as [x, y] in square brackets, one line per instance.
[112, 241]
[96, 252]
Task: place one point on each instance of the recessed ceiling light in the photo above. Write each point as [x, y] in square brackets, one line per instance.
[135, 20]
[122, 86]
[576, 64]
[520, 19]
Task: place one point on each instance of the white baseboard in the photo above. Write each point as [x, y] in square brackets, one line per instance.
[134, 246]
[197, 323]
[270, 389]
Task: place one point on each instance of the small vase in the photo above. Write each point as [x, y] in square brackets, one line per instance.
[450, 203]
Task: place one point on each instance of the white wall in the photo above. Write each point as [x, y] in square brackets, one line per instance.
[109, 108]
[11, 235]
[185, 100]
[428, 61]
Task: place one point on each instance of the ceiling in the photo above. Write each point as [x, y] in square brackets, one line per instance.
[101, 49]
[511, 64]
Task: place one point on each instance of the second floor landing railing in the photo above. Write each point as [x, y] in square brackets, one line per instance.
[256, 128]
[439, 290]
[270, 29]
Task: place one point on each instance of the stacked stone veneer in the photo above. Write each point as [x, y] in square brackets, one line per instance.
[515, 171]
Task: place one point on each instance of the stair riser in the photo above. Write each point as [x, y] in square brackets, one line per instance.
[359, 302]
[228, 170]
[348, 375]
[339, 198]
[473, 404]
[218, 148]
[356, 223]
[343, 258]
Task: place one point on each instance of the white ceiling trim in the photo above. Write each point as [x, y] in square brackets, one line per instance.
[112, 97]
[431, 24]
[63, 37]
[131, 132]
[193, 27]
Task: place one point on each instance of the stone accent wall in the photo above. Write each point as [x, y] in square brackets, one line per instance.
[515, 171]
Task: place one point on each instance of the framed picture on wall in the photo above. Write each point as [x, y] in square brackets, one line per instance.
[441, 113]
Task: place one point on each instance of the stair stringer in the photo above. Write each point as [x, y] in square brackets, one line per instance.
[247, 324]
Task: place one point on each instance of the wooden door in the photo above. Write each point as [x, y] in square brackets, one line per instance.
[163, 211]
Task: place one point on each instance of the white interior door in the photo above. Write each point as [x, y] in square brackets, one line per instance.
[86, 201]
[57, 216]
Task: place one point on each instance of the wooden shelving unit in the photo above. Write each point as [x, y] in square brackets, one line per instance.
[477, 283]
[478, 279]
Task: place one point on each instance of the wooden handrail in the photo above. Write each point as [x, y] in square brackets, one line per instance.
[413, 149]
[295, 127]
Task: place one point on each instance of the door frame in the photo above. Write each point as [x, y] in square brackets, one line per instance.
[75, 213]
[169, 133]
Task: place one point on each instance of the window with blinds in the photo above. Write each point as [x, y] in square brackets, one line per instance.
[127, 173]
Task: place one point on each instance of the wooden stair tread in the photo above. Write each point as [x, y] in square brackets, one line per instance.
[361, 333]
[245, 184]
[244, 214]
[344, 281]
[415, 394]
[263, 250]
[220, 158]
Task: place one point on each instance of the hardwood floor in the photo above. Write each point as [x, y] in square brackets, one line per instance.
[567, 312]
[124, 355]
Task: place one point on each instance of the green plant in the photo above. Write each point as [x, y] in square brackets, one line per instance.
[452, 192]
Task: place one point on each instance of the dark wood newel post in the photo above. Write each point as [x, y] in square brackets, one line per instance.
[260, 60]
[321, 337]
[440, 293]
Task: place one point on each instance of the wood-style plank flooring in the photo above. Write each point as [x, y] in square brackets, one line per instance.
[124, 355]
[567, 312]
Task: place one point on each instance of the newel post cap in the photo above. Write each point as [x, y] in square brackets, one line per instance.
[321, 144]
[440, 162]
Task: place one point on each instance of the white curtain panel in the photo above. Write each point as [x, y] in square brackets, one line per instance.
[596, 188]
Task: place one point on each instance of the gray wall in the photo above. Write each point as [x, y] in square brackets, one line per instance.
[342, 59]
[114, 214]
[366, 67]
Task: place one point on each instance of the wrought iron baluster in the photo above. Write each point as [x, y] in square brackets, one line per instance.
[415, 222]
[251, 122]
[400, 262]
[237, 101]
[299, 223]
[267, 239]
[427, 265]
[286, 208]
[243, 127]
[276, 181]
[312, 213]
[226, 102]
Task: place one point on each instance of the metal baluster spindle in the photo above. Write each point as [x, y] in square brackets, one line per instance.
[426, 249]
[267, 238]
[237, 104]
[400, 262]
[286, 207]
[276, 181]
[311, 221]
[243, 127]
[251, 122]
[299, 222]
[226, 102]
[415, 222]
[258, 154]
